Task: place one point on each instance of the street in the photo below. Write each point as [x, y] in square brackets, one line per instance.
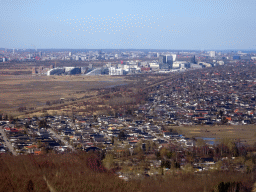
[62, 140]
[8, 144]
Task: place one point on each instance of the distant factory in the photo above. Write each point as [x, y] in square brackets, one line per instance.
[64, 71]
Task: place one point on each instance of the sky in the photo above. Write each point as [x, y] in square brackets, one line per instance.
[128, 24]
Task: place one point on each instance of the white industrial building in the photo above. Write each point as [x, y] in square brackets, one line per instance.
[96, 71]
[115, 71]
[220, 62]
[154, 66]
[212, 53]
[195, 66]
[67, 69]
[178, 64]
[55, 71]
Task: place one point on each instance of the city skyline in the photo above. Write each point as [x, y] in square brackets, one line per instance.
[201, 25]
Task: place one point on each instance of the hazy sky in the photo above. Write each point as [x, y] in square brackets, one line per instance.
[141, 24]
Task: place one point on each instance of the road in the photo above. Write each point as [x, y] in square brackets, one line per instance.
[8, 144]
[62, 140]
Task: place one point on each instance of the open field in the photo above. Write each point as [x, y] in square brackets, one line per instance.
[34, 91]
[246, 133]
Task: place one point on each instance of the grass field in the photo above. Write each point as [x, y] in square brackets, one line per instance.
[33, 91]
[246, 133]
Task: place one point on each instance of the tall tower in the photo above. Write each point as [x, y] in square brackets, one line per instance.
[169, 61]
[166, 62]
[162, 59]
[174, 57]
[193, 60]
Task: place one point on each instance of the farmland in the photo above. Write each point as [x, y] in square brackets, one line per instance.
[32, 92]
[245, 133]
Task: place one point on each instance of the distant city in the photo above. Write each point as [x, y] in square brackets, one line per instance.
[122, 62]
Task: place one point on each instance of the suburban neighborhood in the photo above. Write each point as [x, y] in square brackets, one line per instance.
[145, 142]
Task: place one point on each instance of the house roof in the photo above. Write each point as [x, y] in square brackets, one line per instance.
[31, 146]
[38, 152]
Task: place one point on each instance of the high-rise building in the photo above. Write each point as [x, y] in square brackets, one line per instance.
[174, 57]
[165, 62]
[193, 60]
[69, 54]
[169, 59]
[162, 59]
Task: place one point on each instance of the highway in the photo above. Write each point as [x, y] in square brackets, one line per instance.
[8, 144]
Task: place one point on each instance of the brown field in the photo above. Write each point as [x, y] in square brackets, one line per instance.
[33, 91]
[246, 133]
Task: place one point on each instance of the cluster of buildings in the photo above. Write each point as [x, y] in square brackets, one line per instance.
[121, 136]
[164, 64]
[223, 94]
[219, 95]
[7, 55]
[67, 55]
[212, 96]
[35, 135]
[122, 62]
[127, 67]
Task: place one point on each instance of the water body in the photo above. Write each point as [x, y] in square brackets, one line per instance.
[208, 140]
